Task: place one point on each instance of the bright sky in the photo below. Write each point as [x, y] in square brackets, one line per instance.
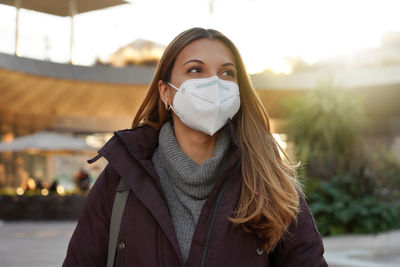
[265, 31]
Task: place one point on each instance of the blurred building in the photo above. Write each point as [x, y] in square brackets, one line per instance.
[92, 102]
[86, 102]
[139, 52]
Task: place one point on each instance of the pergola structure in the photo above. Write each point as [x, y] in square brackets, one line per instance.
[59, 8]
[38, 95]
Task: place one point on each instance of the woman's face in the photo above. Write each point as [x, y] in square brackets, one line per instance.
[202, 58]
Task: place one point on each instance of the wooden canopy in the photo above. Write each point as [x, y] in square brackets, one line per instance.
[63, 7]
[37, 95]
[36, 103]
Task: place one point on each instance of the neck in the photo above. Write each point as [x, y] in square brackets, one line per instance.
[196, 145]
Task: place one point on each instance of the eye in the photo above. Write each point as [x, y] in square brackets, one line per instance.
[194, 70]
[229, 73]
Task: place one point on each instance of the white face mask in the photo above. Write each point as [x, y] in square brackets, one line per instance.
[206, 104]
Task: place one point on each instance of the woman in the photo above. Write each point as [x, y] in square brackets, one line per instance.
[208, 186]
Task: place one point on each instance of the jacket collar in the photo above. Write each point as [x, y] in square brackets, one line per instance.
[141, 142]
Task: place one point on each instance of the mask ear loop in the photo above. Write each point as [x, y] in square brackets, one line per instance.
[168, 106]
[173, 86]
[171, 107]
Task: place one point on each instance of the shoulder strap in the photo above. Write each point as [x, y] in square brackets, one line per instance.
[116, 218]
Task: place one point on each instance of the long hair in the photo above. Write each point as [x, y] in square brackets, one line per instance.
[269, 198]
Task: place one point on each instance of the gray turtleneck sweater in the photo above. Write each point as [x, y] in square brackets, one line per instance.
[186, 184]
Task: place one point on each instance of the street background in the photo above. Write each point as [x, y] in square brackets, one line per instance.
[328, 72]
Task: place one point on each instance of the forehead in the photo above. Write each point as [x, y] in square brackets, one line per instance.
[207, 50]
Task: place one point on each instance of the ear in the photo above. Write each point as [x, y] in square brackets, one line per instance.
[163, 89]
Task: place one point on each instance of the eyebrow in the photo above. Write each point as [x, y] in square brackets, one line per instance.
[193, 60]
[228, 64]
[201, 62]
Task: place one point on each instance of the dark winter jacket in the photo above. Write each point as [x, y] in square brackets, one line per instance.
[147, 236]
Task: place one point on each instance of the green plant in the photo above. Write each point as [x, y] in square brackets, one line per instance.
[384, 167]
[348, 190]
[340, 207]
[324, 126]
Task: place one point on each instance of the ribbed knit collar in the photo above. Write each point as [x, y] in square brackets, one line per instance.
[190, 178]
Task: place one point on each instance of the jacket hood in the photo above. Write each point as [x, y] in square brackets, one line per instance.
[139, 142]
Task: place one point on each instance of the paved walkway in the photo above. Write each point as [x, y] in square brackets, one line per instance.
[382, 250]
[34, 244]
[44, 244]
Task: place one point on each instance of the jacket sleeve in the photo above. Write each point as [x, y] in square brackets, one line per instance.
[89, 243]
[302, 245]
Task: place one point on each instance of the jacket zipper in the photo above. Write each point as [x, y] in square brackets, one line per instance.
[214, 216]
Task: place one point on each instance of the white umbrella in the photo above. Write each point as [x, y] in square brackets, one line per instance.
[47, 142]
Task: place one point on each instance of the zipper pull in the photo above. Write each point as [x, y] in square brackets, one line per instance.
[92, 160]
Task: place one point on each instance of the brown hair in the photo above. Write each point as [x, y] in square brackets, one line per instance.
[269, 199]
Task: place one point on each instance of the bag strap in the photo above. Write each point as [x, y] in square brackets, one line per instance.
[115, 224]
